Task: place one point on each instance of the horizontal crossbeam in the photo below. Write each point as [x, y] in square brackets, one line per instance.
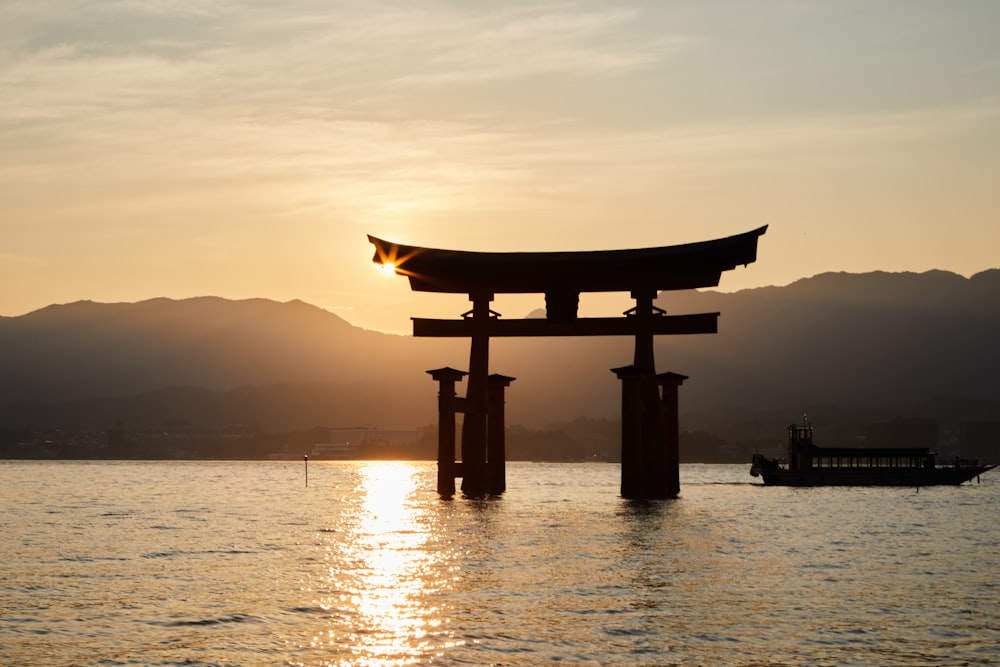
[702, 323]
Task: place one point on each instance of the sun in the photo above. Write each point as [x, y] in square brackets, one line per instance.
[387, 268]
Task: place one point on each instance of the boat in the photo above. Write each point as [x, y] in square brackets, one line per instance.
[810, 465]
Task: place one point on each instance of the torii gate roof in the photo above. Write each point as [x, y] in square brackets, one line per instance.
[686, 266]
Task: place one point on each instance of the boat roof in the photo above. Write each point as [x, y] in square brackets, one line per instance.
[675, 267]
[870, 451]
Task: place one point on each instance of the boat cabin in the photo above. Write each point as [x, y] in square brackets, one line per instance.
[803, 455]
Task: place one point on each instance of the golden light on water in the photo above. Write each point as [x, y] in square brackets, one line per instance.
[384, 569]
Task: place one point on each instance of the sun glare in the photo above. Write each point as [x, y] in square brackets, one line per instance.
[385, 573]
[387, 268]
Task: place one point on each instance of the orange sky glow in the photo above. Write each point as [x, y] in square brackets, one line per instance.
[246, 149]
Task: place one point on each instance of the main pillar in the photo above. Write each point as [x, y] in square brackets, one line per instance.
[475, 474]
[645, 456]
[653, 455]
[632, 485]
[650, 435]
[448, 405]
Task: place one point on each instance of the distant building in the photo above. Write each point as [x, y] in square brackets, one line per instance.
[350, 443]
[340, 443]
[322, 451]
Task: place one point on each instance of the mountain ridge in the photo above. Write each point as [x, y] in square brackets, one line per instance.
[876, 341]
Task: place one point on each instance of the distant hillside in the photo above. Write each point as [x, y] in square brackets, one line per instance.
[85, 351]
[859, 347]
[841, 339]
[868, 345]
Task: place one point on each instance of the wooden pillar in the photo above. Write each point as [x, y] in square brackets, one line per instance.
[631, 482]
[643, 314]
[475, 474]
[670, 384]
[644, 456]
[447, 407]
[496, 442]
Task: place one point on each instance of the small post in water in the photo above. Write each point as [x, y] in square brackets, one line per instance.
[305, 458]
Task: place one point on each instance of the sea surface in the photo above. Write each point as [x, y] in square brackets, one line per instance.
[242, 563]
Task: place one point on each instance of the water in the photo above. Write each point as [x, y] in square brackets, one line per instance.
[211, 563]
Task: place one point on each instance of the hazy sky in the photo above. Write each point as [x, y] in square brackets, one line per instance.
[190, 147]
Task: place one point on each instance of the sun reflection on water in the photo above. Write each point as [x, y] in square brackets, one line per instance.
[383, 571]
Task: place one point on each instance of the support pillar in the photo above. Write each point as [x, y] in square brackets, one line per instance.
[645, 456]
[475, 474]
[670, 384]
[496, 439]
[448, 405]
[631, 482]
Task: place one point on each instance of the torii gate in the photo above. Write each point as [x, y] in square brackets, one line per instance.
[649, 420]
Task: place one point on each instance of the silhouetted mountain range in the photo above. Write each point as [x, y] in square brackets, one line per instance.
[841, 346]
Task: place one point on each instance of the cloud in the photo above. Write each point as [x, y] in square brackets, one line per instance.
[273, 60]
[302, 107]
[381, 112]
[528, 42]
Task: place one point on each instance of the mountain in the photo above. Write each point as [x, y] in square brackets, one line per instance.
[871, 346]
[841, 346]
[87, 351]
[849, 349]
[871, 339]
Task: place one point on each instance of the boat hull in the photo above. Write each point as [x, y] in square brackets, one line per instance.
[873, 477]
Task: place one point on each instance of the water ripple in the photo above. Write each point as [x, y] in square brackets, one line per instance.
[236, 563]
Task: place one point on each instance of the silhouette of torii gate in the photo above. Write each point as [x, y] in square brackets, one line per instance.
[649, 419]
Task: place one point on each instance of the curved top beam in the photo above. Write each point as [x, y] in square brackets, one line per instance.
[685, 266]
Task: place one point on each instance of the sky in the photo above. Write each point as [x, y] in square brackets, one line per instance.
[244, 149]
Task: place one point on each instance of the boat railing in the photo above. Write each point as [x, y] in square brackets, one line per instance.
[958, 462]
